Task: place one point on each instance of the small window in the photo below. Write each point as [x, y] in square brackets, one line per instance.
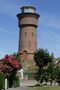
[32, 34]
[25, 34]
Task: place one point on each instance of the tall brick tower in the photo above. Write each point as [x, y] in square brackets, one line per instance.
[27, 21]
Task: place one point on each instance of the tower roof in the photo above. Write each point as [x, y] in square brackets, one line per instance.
[29, 9]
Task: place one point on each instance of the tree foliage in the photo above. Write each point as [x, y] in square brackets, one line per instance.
[42, 57]
[43, 60]
[29, 66]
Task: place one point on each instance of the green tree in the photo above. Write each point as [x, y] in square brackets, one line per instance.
[51, 72]
[57, 71]
[42, 59]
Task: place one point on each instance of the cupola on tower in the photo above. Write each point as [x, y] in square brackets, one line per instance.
[27, 21]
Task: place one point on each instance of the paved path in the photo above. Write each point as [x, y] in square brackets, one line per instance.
[24, 85]
[18, 88]
[28, 82]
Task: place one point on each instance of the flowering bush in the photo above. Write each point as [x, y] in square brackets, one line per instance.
[11, 60]
[2, 67]
[9, 64]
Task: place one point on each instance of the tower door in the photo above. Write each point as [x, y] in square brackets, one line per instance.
[25, 55]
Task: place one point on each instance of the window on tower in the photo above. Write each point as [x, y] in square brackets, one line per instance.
[32, 34]
[25, 34]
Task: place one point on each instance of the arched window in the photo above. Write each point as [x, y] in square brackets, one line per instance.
[25, 55]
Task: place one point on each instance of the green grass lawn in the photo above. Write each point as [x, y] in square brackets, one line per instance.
[45, 88]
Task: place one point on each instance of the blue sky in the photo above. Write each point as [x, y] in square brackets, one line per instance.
[48, 31]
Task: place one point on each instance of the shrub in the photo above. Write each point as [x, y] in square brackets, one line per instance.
[16, 82]
[2, 80]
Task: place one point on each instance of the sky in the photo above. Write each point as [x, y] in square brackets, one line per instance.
[48, 31]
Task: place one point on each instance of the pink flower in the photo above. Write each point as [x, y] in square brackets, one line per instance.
[15, 64]
[2, 67]
[11, 60]
[9, 63]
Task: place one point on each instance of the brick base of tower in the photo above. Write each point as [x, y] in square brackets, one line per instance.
[27, 56]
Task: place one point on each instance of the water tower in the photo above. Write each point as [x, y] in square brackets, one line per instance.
[27, 21]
